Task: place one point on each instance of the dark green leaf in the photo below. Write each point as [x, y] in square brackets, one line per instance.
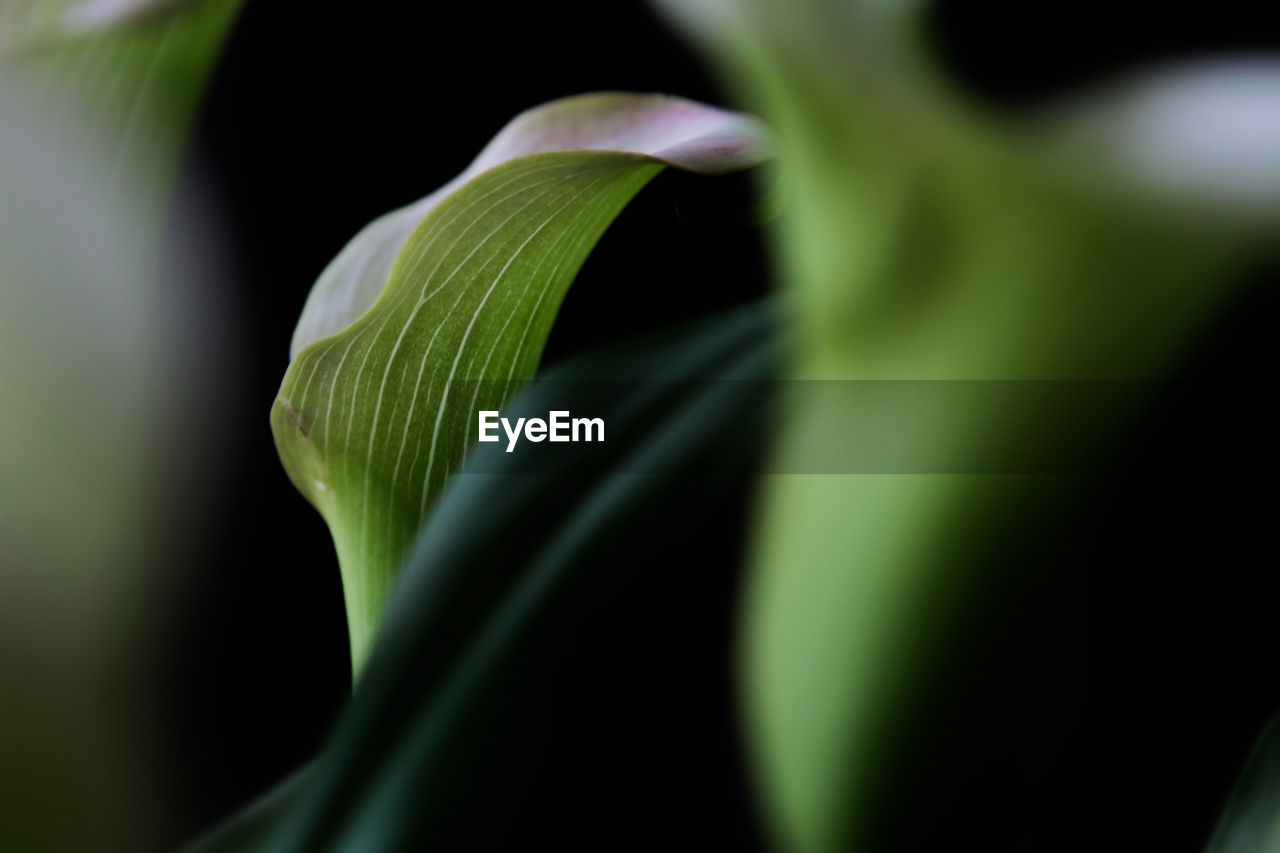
[514, 564]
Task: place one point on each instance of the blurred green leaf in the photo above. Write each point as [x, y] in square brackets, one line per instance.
[925, 240]
[428, 754]
[130, 77]
[372, 419]
[92, 121]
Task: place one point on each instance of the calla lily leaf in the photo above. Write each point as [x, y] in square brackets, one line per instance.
[435, 748]
[441, 309]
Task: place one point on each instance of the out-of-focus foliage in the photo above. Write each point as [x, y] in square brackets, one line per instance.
[373, 417]
[129, 74]
[90, 123]
[73, 439]
[927, 242]
[464, 672]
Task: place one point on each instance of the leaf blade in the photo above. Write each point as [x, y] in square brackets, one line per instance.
[672, 130]
[480, 623]
[369, 421]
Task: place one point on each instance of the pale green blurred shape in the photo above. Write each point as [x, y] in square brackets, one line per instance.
[926, 240]
[91, 120]
[77, 408]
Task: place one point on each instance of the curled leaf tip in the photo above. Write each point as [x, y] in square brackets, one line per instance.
[669, 130]
[441, 309]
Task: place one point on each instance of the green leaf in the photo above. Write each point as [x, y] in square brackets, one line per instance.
[924, 241]
[1251, 822]
[128, 75]
[377, 408]
[91, 129]
[429, 752]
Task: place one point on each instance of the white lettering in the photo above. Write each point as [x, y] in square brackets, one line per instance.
[559, 427]
[587, 424]
[513, 435]
[488, 421]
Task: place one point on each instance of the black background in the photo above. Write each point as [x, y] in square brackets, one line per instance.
[323, 116]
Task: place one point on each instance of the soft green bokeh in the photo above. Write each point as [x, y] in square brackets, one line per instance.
[928, 241]
[91, 123]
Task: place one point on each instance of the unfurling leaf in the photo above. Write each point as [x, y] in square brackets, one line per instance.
[453, 708]
[442, 308]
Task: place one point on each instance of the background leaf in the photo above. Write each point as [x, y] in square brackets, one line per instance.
[371, 422]
[91, 132]
[927, 241]
[132, 82]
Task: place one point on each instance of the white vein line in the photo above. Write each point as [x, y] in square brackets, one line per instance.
[557, 181]
[351, 414]
[444, 399]
[524, 336]
[414, 261]
[397, 300]
[528, 325]
[394, 297]
[428, 294]
[585, 213]
[328, 409]
[373, 432]
[305, 383]
[413, 463]
[408, 422]
[421, 367]
[391, 306]
[335, 338]
[316, 355]
[364, 503]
